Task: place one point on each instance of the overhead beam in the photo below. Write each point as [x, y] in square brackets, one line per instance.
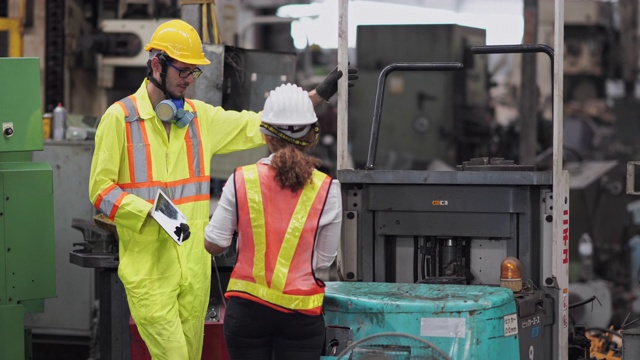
[451, 5]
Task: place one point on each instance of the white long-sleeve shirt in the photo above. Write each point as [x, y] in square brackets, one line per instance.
[223, 223]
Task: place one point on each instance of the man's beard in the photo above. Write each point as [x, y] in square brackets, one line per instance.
[174, 96]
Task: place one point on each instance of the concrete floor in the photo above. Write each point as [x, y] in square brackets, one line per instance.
[60, 349]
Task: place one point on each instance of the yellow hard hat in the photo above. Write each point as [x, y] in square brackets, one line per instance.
[179, 40]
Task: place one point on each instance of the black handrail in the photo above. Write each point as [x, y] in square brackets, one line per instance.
[377, 109]
[518, 49]
[513, 49]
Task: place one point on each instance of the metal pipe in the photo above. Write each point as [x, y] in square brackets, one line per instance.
[518, 49]
[560, 211]
[528, 105]
[343, 86]
[530, 96]
[513, 49]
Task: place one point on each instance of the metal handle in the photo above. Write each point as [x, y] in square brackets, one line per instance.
[513, 49]
[517, 49]
[377, 108]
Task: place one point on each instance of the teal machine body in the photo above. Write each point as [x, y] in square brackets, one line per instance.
[27, 260]
[464, 322]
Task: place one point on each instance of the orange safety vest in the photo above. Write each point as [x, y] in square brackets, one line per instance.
[276, 237]
[195, 187]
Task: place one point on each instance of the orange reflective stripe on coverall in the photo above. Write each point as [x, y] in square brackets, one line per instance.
[167, 286]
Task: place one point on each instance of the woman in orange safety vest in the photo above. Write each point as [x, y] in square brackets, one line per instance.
[288, 217]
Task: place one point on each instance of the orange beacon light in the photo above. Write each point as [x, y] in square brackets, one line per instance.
[511, 274]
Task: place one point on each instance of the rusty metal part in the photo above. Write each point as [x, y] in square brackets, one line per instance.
[606, 344]
[105, 223]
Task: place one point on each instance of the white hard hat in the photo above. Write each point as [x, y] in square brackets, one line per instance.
[288, 105]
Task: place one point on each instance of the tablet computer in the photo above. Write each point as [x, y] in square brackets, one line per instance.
[168, 216]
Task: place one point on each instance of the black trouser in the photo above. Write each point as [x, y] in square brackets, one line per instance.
[253, 331]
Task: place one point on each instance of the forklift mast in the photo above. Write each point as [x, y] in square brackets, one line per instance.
[410, 234]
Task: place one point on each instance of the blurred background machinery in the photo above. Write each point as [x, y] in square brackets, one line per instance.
[497, 107]
[27, 263]
[432, 116]
[239, 79]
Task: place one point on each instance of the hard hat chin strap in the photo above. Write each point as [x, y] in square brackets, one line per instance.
[163, 75]
[273, 131]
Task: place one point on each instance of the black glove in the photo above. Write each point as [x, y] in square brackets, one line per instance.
[329, 86]
[183, 230]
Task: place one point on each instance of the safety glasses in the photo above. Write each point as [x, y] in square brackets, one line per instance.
[184, 73]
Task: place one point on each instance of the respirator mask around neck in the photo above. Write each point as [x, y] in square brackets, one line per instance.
[172, 111]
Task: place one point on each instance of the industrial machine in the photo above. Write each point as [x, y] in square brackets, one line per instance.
[436, 115]
[475, 261]
[27, 262]
[409, 235]
[425, 246]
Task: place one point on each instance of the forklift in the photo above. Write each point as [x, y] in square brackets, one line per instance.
[464, 264]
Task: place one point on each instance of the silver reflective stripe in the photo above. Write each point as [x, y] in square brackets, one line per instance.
[139, 153]
[132, 110]
[138, 147]
[177, 191]
[109, 201]
[195, 146]
[147, 194]
[191, 189]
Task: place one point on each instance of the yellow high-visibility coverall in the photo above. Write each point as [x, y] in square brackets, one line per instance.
[167, 285]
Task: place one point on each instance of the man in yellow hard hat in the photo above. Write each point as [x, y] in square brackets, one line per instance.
[156, 139]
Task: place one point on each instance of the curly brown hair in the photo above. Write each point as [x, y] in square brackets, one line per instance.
[292, 165]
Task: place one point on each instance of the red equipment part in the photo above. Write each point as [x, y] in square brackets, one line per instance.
[214, 347]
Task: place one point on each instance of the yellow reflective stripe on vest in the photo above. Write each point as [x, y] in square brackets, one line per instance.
[292, 236]
[256, 215]
[293, 302]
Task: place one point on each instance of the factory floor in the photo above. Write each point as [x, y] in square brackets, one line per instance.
[60, 352]
[60, 348]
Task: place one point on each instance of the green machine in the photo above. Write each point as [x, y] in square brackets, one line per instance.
[27, 260]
